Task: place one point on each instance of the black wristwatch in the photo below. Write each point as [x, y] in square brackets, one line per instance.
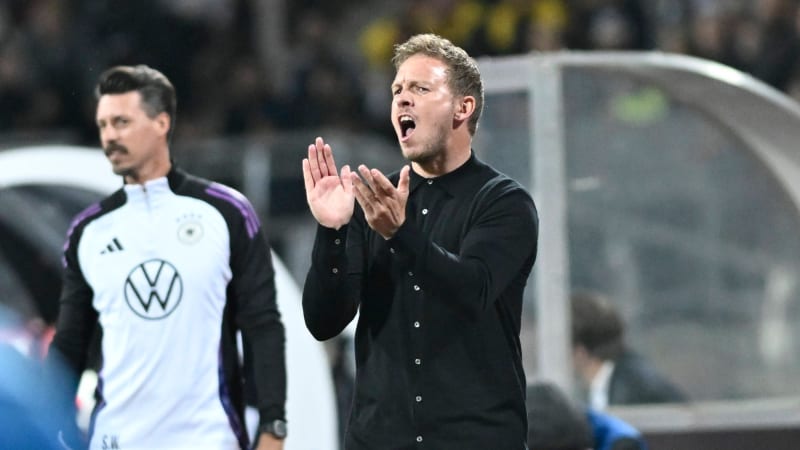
[276, 428]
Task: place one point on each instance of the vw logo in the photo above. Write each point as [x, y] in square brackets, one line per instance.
[153, 289]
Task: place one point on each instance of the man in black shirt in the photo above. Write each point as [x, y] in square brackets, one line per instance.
[434, 258]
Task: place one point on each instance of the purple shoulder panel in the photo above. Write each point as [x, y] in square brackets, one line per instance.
[240, 202]
[83, 215]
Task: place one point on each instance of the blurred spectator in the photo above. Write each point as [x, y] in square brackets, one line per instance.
[457, 21]
[554, 423]
[325, 92]
[711, 33]
[611, 24]
[776, 48]
[671, 19]
[15, 84]
[612, 373]
[612, 433]
[50, 72]
[35, 70]
[518, 26]
[250, 103]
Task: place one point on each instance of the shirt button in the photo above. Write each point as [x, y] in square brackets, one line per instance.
[411, 274]
[424, 211]
[416, 288]
[335, 270]
[416, 324]
[417, 361]
[337, 241]
[418, 398]
[419, 438]
[391, 250]
[430, 181]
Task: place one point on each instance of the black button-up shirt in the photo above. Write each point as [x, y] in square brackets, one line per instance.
[437, 343]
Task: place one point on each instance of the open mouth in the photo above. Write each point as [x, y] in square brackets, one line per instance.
[407, 127]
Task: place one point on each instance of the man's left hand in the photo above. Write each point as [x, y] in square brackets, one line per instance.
[384, 205]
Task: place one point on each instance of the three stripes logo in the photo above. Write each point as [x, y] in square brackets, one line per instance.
[113, 246]
[153, 289]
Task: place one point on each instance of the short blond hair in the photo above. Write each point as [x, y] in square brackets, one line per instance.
[464, 78]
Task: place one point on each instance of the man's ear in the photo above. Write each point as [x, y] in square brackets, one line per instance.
[579, 353]
[464, 108]
[163, 122]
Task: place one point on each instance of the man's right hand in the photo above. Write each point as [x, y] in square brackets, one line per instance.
[330, 196]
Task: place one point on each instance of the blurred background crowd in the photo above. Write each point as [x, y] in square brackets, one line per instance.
[253, 66]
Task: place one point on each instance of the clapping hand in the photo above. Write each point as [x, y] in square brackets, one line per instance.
[384, 204]
[329, 195]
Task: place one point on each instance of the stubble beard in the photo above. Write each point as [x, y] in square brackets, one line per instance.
[123, 168]
[126, 172]
[431, 149]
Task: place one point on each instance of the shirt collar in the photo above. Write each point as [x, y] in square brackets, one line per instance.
[170, 182]
[598, 390]
[452, 182]
[156, 184]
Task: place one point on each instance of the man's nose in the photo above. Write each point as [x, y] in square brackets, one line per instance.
[403, 99]
[108, 134]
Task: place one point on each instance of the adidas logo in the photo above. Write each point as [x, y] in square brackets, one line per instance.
[113, 246]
